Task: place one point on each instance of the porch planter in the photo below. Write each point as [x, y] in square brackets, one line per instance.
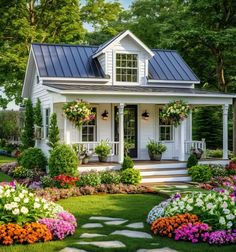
[155, 157]
[85, 160]
[102, 159]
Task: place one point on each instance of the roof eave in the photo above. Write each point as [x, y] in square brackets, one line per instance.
[149, 51]
[74, 80]
[174, 81]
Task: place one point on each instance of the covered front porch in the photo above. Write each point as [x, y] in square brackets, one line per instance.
[121, 117]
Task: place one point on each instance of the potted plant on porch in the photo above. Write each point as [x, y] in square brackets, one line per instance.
[155, 150]
[103, 150]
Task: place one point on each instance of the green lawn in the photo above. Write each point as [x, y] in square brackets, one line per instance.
[4, 177]
[5, 159]
[132, 207]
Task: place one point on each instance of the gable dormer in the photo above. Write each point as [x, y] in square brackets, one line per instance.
[125, 59]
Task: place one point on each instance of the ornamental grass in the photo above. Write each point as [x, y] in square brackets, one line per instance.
[28, 234]
[165, 226]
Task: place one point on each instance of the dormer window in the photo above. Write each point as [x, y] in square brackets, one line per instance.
[126, 67]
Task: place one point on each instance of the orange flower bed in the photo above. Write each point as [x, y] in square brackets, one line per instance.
[165, 226]
[29, 233]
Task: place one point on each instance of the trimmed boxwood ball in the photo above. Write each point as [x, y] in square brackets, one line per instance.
[63, 160]
[127, 163]
[192, 161]
[33, 158]
[130, 176]
[200, 173]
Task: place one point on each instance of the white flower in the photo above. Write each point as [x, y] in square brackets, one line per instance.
[21, 195]
[224, 205]
[226, 211]
[43, 200]
[36, 199]
[36, 205]
[16, 211]
[45, 206]
[190, 201]
[26, 200]
[209, 206]
[229, 224]
[189, 208]
[199, 203]
[230, 217]
[31, 194]
[16, 199]
[24, 210]
[8, 207]
[222, 220]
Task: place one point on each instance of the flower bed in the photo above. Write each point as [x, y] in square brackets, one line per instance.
[23, 214]
[196, 217]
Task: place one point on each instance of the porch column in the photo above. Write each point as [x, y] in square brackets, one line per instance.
[182, 141]
[66, 132]
[121, 132]
[225, 131]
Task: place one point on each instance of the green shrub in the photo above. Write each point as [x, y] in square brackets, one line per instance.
[103, 149]
[33, 158]
[200, 173]
[89, 179]
[127, 163]
[110, 177]
[47, 181]
[130, 176]
[215, 153]
[218, 170]
[192, 161]
[63, 160]
[155, 148]
[22, 172]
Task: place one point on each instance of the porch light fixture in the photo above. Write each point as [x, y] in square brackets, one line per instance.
[105, 115]
[145, 115]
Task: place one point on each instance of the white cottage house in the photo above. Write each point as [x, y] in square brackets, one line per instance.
[123, 79]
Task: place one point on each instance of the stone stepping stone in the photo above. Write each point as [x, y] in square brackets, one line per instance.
[166, 249]
[88, 235]
[104, 244]
[92, 225]
[116, 223]
[132, 234]
[68, 249]
[103, 218]
[136, 225]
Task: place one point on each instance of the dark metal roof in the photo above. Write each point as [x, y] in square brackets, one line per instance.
[133, 89]
[169, 65]
[74, 61]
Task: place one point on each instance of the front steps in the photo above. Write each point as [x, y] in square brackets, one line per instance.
[163, 172]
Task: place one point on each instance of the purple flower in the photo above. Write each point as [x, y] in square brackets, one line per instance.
[12, 184]
[221, 237]
[192, 232]
[66, 216]
[59, 228]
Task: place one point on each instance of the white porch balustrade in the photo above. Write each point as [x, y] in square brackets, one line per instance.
[90, 146]
[189, 145]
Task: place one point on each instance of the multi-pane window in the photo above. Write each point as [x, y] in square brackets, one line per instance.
[46, 120]
[126, 67]
[165, 130]
[89, 130]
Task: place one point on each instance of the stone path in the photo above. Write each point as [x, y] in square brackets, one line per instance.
[100, 221]
[105, 244]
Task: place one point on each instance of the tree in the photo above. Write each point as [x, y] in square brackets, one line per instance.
[38, 119]
[27, 137]
[54, 133]
[25, 21]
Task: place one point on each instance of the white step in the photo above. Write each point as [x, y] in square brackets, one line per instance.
[160, 166]
[156, 172]
[166, 179]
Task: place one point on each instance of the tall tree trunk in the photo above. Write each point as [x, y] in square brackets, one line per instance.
[221, 73]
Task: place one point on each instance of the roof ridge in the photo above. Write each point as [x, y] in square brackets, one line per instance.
[166, 50]
[58, 44]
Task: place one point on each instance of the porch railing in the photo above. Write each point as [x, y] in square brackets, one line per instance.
[189, 145]
[90, 146]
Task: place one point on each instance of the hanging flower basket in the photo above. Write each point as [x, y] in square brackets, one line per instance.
[175, 112]
[78, 112]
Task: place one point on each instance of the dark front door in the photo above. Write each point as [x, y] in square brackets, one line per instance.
[130, 128]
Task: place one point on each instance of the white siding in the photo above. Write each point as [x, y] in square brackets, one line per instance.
[102, 61]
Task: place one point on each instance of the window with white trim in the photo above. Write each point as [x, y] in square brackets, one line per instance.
[89, 130]
[165, 130]
[126, 67]
[46, 122]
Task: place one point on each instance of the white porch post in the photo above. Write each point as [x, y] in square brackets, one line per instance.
[182, 141]
[66, 132]
[121, 132]
[225, 131]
